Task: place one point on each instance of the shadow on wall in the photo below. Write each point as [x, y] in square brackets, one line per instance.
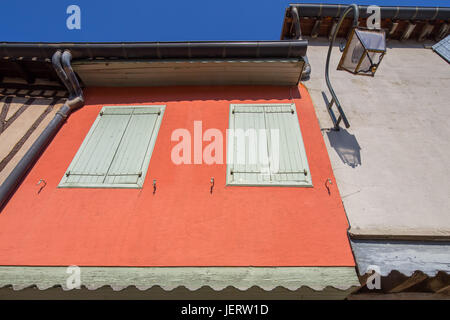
[346, 146]
[110, 95]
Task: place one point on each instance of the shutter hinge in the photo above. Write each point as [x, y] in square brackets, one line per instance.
[67, 173]
[101, 113]
[292, 111]
[305, 172]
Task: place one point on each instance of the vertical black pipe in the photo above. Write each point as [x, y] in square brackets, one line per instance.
[21, 169]
[298, 35]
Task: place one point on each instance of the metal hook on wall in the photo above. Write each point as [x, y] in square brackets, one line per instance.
[212, 185]
[43, 186]
[327, 183]
[154, 186]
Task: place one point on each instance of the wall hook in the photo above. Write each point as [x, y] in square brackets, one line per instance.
[154, 186]
[328, 183]
[212, 185]
[43, 186]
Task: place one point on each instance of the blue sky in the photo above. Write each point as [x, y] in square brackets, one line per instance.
[151, 20]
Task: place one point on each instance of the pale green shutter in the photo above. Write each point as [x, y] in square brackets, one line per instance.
[117, 150]
[292, 168]
[247, 171]
[293, 165]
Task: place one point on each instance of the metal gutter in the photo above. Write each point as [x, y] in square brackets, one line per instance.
[387, 12]
[159, 50]
[61, 63]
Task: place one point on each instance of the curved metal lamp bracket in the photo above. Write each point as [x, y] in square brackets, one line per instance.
[334, 99]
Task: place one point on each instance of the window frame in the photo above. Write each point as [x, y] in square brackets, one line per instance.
[290, 183]
[146, 159]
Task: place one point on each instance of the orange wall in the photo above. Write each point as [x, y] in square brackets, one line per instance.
[182, 224]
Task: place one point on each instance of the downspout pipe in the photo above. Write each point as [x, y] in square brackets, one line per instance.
[61, 63]
[298, 35]
[66, 59]
[56, 62]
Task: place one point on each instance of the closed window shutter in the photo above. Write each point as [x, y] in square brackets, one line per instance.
[117, 150]
[287, 164]
[248, 171]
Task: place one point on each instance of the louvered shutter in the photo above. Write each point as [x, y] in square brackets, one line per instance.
[117, 150]
[287, 164]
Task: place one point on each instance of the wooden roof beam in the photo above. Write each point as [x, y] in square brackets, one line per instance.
[316, 28]
[408, 31]
[426, 31]
[23, 72]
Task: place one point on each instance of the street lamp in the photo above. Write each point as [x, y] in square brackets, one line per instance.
[362, 55]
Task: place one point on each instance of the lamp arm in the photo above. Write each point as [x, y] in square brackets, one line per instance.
[355, 9]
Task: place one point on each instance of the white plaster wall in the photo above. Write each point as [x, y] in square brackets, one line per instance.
[397, 177]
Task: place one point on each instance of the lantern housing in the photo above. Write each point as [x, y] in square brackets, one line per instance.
[363, 51]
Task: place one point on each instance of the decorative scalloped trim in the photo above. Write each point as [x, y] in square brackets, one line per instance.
[140, 288]
[192, 278]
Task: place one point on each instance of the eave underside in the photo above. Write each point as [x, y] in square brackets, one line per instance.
[404, 266]
[284, 72]
[400, 23]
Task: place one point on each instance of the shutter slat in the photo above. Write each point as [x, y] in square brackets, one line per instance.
[291, 154]
[237, 163]
[288, 145]
[298, 161]
[264, 148]
[273, 125]
[260, 125]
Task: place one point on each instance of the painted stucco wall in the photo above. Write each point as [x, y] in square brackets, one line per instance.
[182, 224]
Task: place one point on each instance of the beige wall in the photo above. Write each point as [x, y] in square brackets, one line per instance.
[395, 179]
